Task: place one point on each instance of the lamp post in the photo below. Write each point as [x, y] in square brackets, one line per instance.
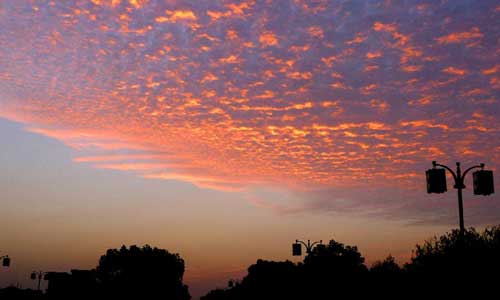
[482, 181]
[5, 260]
[39, 275]
[297, 247]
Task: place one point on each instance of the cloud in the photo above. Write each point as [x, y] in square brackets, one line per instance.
[458, 37]
[177, 15]
[268, 38]
[454, 71]
[229, 95]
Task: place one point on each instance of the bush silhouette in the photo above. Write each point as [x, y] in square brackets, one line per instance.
[142, 272]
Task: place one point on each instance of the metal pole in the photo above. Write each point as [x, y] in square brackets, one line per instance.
[39, 279]
[461, 210]
[459, 185]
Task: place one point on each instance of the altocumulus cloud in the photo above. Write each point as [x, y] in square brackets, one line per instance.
[310, 96]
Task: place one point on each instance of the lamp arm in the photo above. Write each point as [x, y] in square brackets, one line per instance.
[449, 169]
[471, 168]
[305, 245]
[316, 243]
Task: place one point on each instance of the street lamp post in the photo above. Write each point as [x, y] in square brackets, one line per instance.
[482, 180]
[37, 275]
[297, 247]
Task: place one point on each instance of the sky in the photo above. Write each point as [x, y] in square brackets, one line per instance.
[225, 130]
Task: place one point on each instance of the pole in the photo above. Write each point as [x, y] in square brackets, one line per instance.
[461, 210]
[39, 279]
[459, 185]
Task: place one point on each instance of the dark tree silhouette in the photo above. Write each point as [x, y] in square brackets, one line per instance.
[470, 260]
[328, 269]
[386, 279]
[142, 272]
[265, 280]
[270, 279]
[455, 251]
[334, 259]
[334, 266]
[455, 265]
[387, 267]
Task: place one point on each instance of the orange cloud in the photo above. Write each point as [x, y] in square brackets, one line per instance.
[492, 70]
[231, 59]
[209, 77]
[425, 123]
[132, 166]
[368, 89]
[425, 100]
[177, 15]
[240, 99]
[299, 75]
[357, 40]
[379, 104]
[458, 37]
[316, 31]
[400, 38]
[216, 15]
[239, 9]
[371, 68]
[115, 3]
[268, 38]
[371, 55]
[454, 71]
[120, 157]
[134, 3]
[411, 69]
[378, 26]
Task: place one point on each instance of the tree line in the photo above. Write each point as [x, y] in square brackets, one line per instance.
[458, 263]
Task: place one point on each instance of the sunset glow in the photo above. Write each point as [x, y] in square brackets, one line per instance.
[337, 106]
[299, 95]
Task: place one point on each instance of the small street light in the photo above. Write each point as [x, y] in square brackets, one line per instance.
[482, 183]
[297, 247]
[38, 275]
[5, 260]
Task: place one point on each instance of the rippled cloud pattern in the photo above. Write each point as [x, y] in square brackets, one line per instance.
[229, 95]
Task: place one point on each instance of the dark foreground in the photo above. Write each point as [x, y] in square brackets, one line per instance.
[457, 264]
